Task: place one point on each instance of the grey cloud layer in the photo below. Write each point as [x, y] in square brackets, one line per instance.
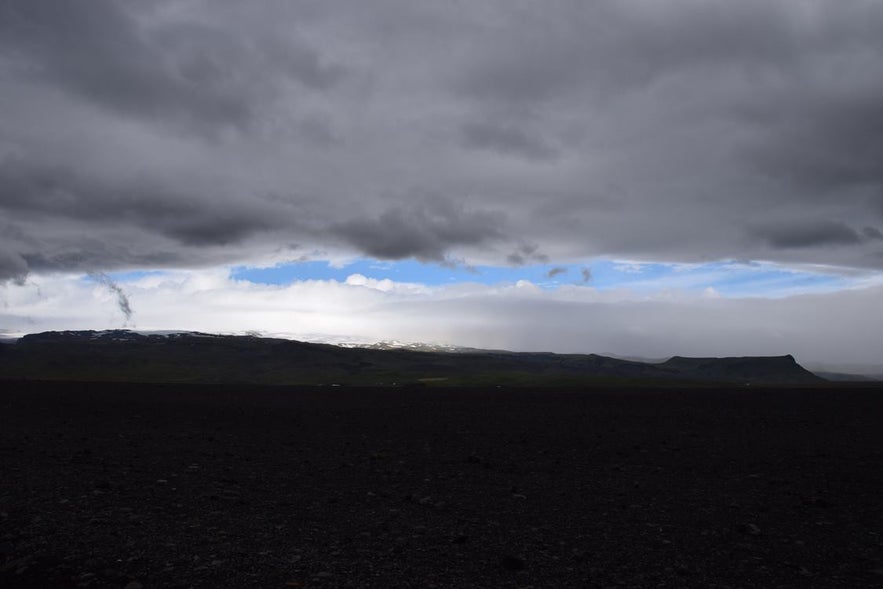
[178, 72]
[423, 231]
[189, 133]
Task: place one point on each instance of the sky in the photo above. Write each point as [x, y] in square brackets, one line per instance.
[619, 176]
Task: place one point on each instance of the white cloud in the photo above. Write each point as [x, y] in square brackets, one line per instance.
[629, 267]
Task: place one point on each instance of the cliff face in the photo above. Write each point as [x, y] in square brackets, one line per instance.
[121, 355]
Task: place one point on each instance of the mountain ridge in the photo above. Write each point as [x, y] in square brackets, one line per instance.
[126, 355]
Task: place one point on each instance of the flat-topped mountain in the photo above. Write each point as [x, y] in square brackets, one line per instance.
[749, 369]
[122, 355]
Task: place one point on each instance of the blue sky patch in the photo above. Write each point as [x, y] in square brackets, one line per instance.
[735, 279]
[408, 271]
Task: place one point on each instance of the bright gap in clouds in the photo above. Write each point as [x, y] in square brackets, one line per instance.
[734, 279]
[652, 310]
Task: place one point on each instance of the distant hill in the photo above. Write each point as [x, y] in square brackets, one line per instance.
[842, 377]
[848, 371]
[122, 355]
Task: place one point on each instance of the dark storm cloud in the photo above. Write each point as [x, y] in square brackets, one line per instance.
[556, 272]
[780, 90]
[31, 191]
[605, 49]
[423, 230]
[79, 255]
[527, 253]
[872, 233]
[680, 130]
[68, 222]
[828, 140]
[822, 233]
[12, 267]
[180, 72]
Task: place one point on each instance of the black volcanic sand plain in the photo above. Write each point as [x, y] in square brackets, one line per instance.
[122, 485]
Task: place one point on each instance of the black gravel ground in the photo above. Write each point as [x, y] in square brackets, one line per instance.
[121, 485]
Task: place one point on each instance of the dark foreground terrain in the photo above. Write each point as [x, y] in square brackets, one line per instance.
[120, 485]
